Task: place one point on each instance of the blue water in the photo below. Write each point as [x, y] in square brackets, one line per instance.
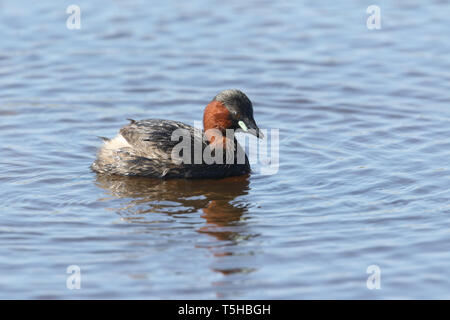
[364, 122]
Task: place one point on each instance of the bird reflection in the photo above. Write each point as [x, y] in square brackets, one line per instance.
[216, 199]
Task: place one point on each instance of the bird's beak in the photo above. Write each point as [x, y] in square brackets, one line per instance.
[249, 126]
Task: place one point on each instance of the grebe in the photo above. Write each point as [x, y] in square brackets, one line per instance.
[145, 147]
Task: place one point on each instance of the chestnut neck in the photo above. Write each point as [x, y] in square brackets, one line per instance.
[216, 116]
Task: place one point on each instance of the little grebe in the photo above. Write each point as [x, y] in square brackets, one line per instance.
[145, 148]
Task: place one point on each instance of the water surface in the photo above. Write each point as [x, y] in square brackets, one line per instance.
[364, 126]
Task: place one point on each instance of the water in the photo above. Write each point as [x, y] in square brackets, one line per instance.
[364, 150]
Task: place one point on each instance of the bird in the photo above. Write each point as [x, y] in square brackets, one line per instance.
[152, 147]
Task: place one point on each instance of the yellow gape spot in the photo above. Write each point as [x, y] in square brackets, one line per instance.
[242, 125]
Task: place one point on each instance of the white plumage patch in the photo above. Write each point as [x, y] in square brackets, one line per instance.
[117, 143]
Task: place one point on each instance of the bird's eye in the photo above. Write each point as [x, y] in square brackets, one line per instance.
[236, 114]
